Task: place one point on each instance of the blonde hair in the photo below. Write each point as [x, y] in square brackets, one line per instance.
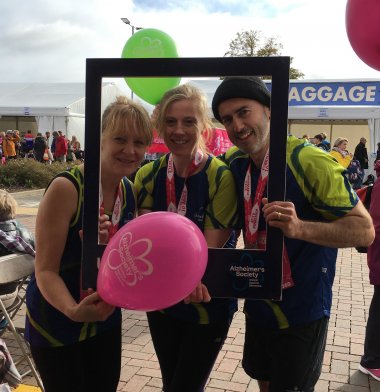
[196, 96]
[8, 206]
[339, 141]
[124, 115]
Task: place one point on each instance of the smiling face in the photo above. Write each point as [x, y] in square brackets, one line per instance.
[122, 152]
[126, 134]
[181, 131]
[247, 123]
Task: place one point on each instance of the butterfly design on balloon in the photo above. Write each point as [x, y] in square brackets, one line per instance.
[129, 260]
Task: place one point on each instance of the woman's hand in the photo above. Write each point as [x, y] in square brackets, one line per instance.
[103, 229]
[104, 226]
[90, 309]
[200, 294]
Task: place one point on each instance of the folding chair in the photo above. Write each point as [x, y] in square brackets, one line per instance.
[18, 267]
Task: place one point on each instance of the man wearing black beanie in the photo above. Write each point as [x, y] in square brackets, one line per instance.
[285, 340]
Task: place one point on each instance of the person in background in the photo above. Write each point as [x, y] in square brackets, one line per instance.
[27, 145]
[54, 140]
[378, 153]
[2, 137]
[14, 238]
[16, 133]
[355, 174]
[75, 148]
[370, 361]
[306, 137]
[40, 148]
[285, 340]
[340, 153]
[60, 146]
[49, 141]
[9, 224]
[325, 142]
[361, 153]
[73, 339]
[188, 336]
[29, 140]
[48, 138]
[9, 145]
[318, 141]
[74, 143]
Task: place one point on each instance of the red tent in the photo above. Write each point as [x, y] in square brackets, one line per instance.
[158, 145]
[217, 144]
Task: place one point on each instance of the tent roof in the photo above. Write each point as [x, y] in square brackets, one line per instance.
[54, 95]
[64, 98]
[49, 99]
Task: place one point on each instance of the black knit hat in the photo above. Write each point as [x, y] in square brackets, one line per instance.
[250, 87]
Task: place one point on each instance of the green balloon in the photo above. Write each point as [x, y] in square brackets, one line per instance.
[150, 43]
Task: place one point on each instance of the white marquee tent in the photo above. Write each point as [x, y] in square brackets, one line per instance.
[54, 106]
[61, 106]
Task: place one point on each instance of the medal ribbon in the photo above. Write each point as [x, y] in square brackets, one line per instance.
[252, 213]
[254, 238]
[116, 211]
[170, 184]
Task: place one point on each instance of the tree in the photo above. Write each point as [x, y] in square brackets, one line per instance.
[251, 44]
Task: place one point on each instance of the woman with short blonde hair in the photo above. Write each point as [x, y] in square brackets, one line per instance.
[340, 153]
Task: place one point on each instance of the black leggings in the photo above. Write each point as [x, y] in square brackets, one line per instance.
[186, 352]
[371, 357]
[88, 366]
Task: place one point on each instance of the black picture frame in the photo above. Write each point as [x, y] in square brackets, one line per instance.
[218, 273]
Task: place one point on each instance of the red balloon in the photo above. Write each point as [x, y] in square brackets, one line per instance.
[363, 30]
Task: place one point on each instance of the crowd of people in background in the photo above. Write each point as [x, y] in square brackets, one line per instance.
[356, 163]
[45, 148]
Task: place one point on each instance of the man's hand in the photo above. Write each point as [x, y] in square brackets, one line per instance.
[353, 229]
[282, 214]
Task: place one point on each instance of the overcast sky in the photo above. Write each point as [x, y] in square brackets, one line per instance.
[48, 41]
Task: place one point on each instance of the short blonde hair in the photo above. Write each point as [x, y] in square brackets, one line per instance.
[339, 141]
[124, 115]
[191, 93]
[8, 206]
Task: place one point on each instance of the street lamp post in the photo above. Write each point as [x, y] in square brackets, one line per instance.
[134, 28]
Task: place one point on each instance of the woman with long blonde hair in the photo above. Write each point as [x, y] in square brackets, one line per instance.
[188, 336]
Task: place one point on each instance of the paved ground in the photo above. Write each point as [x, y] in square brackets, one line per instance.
[352, 295]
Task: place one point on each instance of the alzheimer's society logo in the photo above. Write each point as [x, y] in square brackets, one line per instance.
[149, 48]
[129, 261]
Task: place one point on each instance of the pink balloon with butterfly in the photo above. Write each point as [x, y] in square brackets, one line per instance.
[152, 262]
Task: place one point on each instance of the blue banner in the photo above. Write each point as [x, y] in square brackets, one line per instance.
[334, 93]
